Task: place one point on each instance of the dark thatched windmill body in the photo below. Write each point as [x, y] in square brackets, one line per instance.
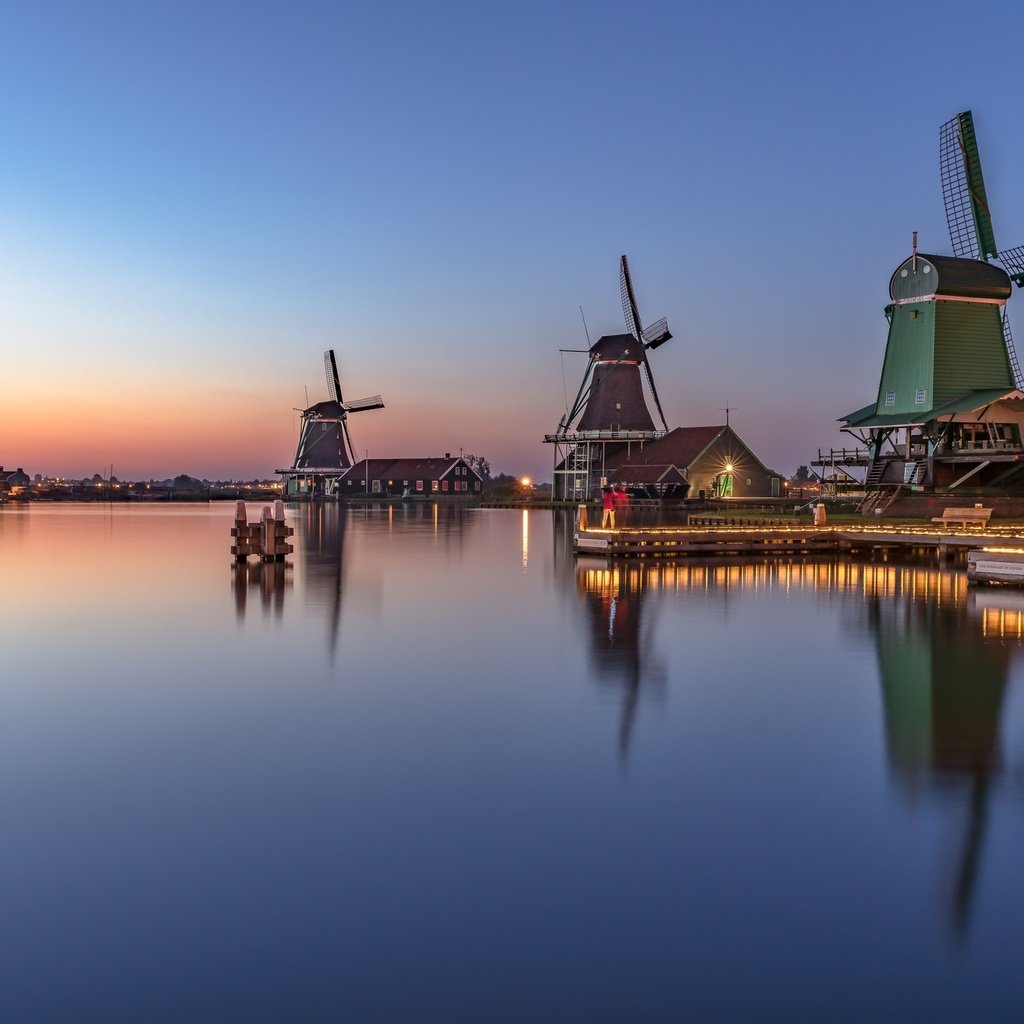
[948, 413]
[324, 451]
[610, 413]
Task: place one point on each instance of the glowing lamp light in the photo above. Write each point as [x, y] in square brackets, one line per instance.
[525, 481]
[728, 467]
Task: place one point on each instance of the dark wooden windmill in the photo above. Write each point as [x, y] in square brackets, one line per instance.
[610, 412]
[324, 451]
[948, 412]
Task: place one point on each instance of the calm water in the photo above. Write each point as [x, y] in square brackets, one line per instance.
[436, 770]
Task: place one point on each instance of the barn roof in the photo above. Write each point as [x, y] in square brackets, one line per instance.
[631, 473]
[681, 447]
[426, 468]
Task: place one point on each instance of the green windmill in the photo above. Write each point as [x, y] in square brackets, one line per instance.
[948, 413]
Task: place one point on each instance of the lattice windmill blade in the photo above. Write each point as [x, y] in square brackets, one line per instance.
[348, 439]
[656, 334]
[362, 404]
[1013, 263]
[963, 190]
[333, 382]
[650, 337]
[1012, 352]
[629, 308]
[654, 394]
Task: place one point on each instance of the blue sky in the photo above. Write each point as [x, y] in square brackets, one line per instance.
[197, 199]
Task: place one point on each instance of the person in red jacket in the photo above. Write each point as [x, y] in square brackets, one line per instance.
[621, 501]
[608, 504]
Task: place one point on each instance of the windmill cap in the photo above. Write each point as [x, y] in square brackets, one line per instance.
[613, 347]
[948, 275]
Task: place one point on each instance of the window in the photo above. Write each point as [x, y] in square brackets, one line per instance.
[444, 485]
[433, 486]
[419, 485]
[375, 487]
[890, 398]
[920, 395]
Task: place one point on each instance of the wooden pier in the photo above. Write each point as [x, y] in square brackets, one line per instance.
[707, 540]
[775, 539]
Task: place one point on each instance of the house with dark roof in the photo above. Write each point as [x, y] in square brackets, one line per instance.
[411, 478]
[705, 462]
[11, 478]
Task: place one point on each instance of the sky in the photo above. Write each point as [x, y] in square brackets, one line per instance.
[198, 199]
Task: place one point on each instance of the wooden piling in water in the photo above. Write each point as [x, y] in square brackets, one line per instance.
[267, 538]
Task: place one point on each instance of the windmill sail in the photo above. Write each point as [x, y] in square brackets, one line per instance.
[629, 307]
[963, 190]
[1012, 352]
[331, 369]
[655, 334]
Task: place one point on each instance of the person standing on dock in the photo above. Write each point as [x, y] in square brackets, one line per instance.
[608, 504]
[620, 499]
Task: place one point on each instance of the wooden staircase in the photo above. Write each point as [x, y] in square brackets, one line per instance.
[879, 500]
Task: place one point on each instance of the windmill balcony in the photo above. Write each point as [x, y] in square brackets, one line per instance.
[606, 435]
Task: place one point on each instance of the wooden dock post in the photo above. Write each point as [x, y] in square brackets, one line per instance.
[275, 534]
[267, 538]
[246, 538]
[582, 520]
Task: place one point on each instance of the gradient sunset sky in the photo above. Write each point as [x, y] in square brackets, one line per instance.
[196, 199]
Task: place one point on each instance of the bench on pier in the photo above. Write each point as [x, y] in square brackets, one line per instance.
[976, 516]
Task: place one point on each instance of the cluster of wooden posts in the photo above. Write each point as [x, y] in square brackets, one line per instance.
[267, 538]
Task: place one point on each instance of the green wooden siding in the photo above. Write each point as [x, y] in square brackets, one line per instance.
[944, 348]
[908, 363]
[970, 351]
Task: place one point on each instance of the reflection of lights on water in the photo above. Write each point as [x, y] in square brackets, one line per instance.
[1002, 622]
[526, 537]
[945, 587]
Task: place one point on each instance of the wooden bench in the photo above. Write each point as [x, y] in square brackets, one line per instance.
[965, 517]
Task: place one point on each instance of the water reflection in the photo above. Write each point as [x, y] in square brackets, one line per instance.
[324, 545]
[320, 536]
[267, 579]
[622, 655]
[944, 655]
[944, 658]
